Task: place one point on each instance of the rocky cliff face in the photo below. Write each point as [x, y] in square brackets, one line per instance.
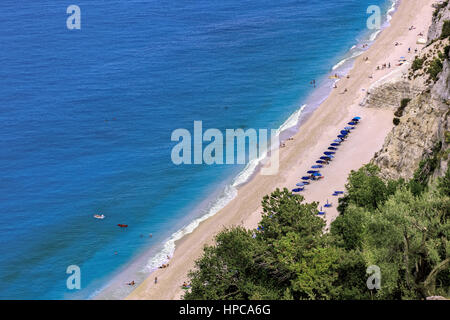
[442, 13]
[422, 130]
[389, 91]
[423, 126]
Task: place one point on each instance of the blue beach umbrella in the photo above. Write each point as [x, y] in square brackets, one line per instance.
[349, 128]
[321, 212]
[356, 118]
[316, 174]
[335, 144]
[298, 189]
[325, 158]
[344, 132]
[312, 171]
[341, 136]
[317, 166]
[332, 148]
[328, 153]
[320, 161]
[300, 184]
[328, 205]
[305, 178]
[338, 140]
[352, 123]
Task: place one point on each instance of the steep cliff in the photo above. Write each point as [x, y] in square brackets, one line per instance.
[441, 14]
[419, 93]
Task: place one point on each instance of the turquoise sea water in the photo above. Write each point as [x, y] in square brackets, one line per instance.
[86, 119]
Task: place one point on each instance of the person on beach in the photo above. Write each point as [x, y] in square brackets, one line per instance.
[132, 283]
[156, 280]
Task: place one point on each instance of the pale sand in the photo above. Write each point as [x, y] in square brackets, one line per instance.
[308, 145]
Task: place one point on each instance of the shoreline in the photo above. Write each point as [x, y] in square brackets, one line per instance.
[148, 261]
[244, 208]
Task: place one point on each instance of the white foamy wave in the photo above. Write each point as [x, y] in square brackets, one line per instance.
[251, 167]
[374, 35]
[339, 64]
[391, 10]
[229, 194]
[292, 120]
[343, 61]
[372, 38]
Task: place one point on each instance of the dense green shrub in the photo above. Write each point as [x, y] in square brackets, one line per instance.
[396, 121]
[446, 52]
[445, 29]
[403, 104]
[435, 68]
[289, 257]
[419, 182]
[444, 183]
[417, 63]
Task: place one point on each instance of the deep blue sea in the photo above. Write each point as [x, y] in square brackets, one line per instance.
[86, 118]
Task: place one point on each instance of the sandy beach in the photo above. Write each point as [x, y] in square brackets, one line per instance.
[313, 138]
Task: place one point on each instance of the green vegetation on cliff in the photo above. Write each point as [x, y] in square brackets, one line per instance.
[402, 229]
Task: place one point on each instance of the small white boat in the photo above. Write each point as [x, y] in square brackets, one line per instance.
[99, 216]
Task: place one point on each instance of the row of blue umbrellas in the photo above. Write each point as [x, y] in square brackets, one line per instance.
[332, 151]
[328, 155]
